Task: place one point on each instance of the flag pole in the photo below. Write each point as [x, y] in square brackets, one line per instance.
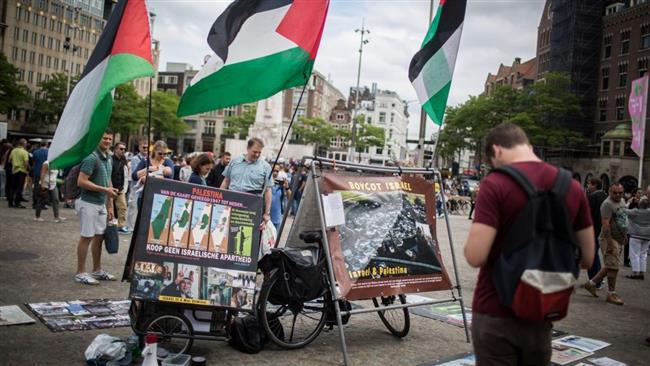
[641, 164]
[423, 114]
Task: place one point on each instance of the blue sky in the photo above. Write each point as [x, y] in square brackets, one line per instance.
[495, 31]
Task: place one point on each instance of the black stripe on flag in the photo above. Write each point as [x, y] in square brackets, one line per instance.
[105, 44]
[225, 28]
[451, 18]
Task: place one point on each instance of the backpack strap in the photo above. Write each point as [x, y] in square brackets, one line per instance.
[520, 178]
[562, 183]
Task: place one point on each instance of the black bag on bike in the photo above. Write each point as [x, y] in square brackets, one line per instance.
[301, 274]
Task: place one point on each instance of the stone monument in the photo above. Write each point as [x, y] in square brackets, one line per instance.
[268, 124]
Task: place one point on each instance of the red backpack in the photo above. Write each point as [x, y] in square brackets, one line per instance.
[535, 273]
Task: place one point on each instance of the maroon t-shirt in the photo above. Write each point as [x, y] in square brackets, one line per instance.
[498, 204]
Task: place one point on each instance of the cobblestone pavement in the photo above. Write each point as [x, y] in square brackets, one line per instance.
[37, 261]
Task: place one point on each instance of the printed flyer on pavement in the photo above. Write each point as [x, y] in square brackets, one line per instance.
[196, 245]
[82, 314]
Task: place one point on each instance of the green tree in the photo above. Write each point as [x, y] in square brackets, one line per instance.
[164, 121]
[51, 98]
[368, 135]
[237, 126]
[129, 110]
[12, 94]
[318, 132]
[539, 110]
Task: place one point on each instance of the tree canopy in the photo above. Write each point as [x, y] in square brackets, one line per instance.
[129, 110]
[12, 94]
[164, 121]
[538, 109]
[318, 132]
[237, 126]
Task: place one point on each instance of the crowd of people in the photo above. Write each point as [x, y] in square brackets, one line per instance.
[111, 180]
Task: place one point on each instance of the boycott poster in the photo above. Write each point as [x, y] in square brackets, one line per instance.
[196, 245]
[387, 245]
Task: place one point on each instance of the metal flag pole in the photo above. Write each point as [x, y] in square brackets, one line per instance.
[353, 142]
[423, 114]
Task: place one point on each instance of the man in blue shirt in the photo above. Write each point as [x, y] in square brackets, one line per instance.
[38, 157]
[248, 173]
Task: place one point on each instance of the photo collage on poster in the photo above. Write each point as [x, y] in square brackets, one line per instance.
[192, 284]
[197, 225]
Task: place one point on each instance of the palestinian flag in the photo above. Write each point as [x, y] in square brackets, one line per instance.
[123, 53]
[261, 47]
[432, 67]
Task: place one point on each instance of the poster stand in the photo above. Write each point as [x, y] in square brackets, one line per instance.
[311, 216]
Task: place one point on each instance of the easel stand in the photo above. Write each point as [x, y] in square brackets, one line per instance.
[320, 224]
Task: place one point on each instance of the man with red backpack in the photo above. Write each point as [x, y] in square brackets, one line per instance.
[531, 218]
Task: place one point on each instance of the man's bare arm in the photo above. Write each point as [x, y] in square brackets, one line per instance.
[479, 242]
[226, 183]
[585, 238]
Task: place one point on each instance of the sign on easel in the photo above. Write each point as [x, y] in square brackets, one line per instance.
[196, 245]
[388, 244]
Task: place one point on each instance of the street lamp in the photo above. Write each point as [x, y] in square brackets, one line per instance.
[363, 31]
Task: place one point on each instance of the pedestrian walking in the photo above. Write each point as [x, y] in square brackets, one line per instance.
[595, 196]
[38, 158]
[639, 234]
[19, 159]
[47, 192]
[499, 337]
[95, 209]
[613, 236]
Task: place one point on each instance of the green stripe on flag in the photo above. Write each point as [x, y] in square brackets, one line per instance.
[247, 81]
[435, 107]
[433, 28]
[120, 69]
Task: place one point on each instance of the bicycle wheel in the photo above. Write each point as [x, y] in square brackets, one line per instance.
[294, 324]
[174, 333]
[397, 321]
[464, 208]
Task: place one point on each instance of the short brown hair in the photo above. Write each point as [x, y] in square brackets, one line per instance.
[506, 135]
[200, 160]
[594, 181]
[254, 141]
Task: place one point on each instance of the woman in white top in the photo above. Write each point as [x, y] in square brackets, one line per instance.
[48, 192]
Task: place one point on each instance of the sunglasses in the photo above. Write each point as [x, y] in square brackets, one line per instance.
[121, 148]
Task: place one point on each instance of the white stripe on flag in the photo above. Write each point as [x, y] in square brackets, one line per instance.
[258, 30]
[75, 119]
[438, 70]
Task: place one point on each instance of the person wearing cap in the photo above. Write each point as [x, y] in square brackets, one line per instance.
[248, 173]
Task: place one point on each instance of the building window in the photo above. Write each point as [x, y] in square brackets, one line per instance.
[625, 42]
[208, 129]
[620, 108]
[14, 53]
[48, 62]
[23, 55]
[25, 35]
[230, 111]
[30, 77]
[50, 42]
[382, 117]
[21, 75]
[643, 66]
[300, 113]
[605, 77]
[39, 77]
[602, 107]
[40, 59]
[379, 151]
[42, 40]
[56, 63]
[161, 79]
[32, 57]
[16, 34]
[58, 45]
[27, 15]
[34, 38]
[340, 116]
[19, 13]
[622, 75]
[645, 37]
[173, 79]
[607, 44]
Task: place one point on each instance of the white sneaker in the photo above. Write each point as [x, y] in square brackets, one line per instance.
[60, 219]
[39, 219]
[103, 275]
[86, 279]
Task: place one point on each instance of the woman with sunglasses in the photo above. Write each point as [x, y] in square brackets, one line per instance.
[160, 166]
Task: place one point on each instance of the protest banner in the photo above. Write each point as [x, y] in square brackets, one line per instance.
[196, 245]
[387, 245]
